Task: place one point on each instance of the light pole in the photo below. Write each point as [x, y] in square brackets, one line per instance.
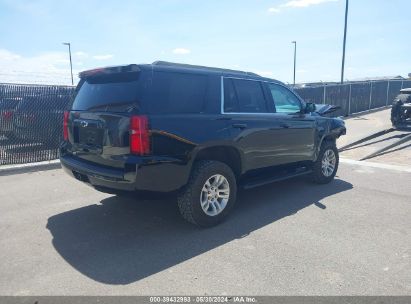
[295, 58]
[345, 38]
[71, 65]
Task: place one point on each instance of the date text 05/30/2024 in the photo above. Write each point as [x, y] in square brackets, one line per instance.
[203, 299]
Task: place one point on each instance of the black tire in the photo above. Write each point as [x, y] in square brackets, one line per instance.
[317, 176]
[189, 200]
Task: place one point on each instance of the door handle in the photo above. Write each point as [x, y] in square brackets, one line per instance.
[284, 125]
[239, 125]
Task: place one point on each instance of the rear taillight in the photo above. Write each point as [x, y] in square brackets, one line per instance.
[139, 135]
[65, 125]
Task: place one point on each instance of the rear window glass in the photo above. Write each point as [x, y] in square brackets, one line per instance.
[108, 94]
[177, 93]
[244, 96]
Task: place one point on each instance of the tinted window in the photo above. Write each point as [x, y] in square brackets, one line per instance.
[284, 100]
[109, 93]
[230, 97]
[177, 93]
[244, 96]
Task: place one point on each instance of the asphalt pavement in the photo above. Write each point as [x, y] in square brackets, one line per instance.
[350, 237]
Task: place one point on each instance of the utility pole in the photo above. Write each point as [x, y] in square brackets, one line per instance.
[295, 58]
[71, 65]
[345, 38]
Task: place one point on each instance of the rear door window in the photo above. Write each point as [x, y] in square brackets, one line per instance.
[244, 96]
[230, 97]
[177, 93]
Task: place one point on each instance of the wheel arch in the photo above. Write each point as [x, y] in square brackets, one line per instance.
[329, 137]
[226, 154]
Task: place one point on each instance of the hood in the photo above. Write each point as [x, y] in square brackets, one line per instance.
[323, 109]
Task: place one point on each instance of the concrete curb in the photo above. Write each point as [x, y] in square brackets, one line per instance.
[361, 113]
[31, 167]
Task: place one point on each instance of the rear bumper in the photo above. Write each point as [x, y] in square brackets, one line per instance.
[148, 174]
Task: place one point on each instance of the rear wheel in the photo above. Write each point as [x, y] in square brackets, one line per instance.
[326, 165]
[209, 195]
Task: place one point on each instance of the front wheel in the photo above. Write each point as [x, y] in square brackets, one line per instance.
[326, 165]
[209, 195]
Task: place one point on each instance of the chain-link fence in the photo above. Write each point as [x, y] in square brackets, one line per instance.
[31, 121]
[31, 116]
[354, 97]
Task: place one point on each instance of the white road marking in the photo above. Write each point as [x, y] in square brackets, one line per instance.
[375, 165]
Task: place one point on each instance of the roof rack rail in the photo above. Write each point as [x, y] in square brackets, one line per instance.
[190, 66]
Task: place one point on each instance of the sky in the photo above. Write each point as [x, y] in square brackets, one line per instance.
[253, 35]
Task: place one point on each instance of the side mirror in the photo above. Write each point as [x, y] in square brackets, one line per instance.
[310, 107]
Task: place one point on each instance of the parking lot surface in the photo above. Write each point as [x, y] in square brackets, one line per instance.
[360, 126]
[351, 237]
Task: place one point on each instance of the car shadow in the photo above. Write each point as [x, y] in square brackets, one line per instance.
[398, 136]
[122, 240]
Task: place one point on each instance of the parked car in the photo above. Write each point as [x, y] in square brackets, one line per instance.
[7, 109]
[38, 119]
[196, 132]
[401, 109]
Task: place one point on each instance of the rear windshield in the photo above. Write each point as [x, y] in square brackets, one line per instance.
[151, 93]
[114, 93]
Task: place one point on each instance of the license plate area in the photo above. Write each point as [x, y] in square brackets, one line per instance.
[88, 133]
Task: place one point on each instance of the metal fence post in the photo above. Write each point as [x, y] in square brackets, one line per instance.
[324, 94]
[349, 102]
[369, 106]
[388, 90]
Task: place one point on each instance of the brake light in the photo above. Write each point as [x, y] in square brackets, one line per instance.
[65, 125]
[139, 135]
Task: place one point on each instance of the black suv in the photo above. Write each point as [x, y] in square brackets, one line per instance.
[197, 132]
